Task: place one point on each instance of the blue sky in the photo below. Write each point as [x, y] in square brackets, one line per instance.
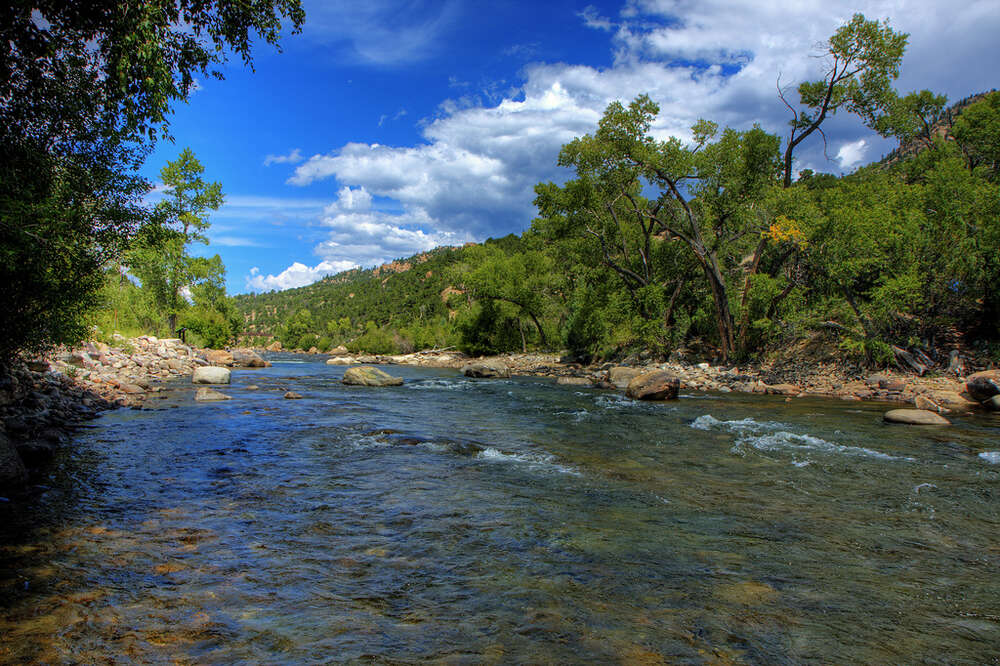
[388, 128]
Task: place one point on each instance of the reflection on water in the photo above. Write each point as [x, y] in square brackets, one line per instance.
[505, 521]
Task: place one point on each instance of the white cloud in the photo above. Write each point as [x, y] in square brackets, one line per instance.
[293, 157]
[380, 32]
[358, 235]
[296, 275]
[852, 154]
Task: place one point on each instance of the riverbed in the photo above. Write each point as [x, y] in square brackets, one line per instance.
[504, 521]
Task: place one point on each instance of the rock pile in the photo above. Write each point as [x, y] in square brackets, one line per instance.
[43, 398]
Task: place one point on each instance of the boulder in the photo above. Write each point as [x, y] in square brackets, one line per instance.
[205, 394]
[218, 357]
[313, 350]
[339, 361]
[620, 375]
[292, 395]
[656, 385]
[340, 350]
[491, 368]
[274, 346]
[951, 400]
[246, 358]
[365, 375]
[211, 374]
[982, 386]
[574, 381]
[923, 402]
[993, 403]
[13, 475]
[915, 417]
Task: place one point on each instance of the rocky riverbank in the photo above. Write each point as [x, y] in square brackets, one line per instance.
[44, 399]
[942, 393]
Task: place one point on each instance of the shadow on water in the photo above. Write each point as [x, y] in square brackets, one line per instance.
[504, 521]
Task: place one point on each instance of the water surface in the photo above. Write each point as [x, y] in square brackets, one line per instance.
[499, 521]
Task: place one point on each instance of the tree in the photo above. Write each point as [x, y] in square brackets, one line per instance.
[161, 260]
[708, 197]
[85, 87]
[863, 59]
[518, 278]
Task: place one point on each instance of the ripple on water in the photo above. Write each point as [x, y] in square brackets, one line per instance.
[768, 436]
[992, 457]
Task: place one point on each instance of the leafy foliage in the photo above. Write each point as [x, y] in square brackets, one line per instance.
[84, 88]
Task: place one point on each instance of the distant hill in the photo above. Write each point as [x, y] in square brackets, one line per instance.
[396, 293]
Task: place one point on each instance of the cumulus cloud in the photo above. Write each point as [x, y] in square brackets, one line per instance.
[293, 157]
[296, 275]
[358, 234]
[852, 154]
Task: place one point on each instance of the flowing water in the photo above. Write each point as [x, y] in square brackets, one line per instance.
[504, 521]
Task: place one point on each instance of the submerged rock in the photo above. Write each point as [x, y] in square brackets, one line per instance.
[211, 374]
[915, 417]
[656, 385]
[292, 395]
[210, 395]
[574, 381]
[486, 369]
[365, 375]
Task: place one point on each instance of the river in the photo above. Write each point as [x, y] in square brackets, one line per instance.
[453, 520]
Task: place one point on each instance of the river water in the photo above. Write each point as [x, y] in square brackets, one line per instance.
[455, 520]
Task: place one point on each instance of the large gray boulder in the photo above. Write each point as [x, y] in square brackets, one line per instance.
[486, 369]
[656, 385]
[211, 374]
[915, 417]
[982, 386]
[366, 375]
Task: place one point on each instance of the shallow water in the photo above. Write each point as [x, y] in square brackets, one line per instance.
[505, 521]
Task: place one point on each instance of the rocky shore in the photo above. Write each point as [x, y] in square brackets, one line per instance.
[42, 400]
[950, 393]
